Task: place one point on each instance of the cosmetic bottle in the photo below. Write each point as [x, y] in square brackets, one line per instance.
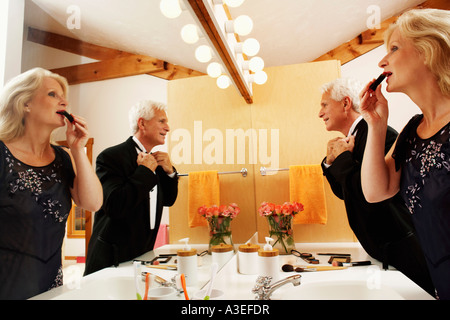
[268, 264]
[187, 263]
[221, 254]
[248, 258]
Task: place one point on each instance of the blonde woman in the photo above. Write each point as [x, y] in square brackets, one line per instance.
[38, 181]
[418, 65]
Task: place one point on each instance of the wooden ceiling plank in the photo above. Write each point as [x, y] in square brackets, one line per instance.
[74, 46]
[111, 69]
[56, 41]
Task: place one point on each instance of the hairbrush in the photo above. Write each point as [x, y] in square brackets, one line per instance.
[67, 115]
[377, 82]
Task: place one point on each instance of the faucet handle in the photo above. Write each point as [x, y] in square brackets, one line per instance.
[260, 287]
[263, 280]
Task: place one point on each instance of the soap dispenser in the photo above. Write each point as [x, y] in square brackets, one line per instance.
[187, 263]
[268, 264]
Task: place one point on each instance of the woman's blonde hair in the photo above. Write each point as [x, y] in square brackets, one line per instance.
[429, 30]
[16, 94]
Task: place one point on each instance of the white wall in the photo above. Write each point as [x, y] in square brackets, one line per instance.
[11, 29]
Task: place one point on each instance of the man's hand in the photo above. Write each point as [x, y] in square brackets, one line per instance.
[163, 160]
[337, 146]
[147, 160]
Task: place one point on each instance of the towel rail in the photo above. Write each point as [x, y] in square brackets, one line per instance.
[243, 172]
[263, 170]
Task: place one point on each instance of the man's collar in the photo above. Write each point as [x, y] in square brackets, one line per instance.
[352, 128]
[139, 145]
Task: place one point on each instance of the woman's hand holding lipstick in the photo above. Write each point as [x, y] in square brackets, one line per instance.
[77, 134]
[373, 105]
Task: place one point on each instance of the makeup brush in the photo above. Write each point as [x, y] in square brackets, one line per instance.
[290, 268]
[166, 267]
[377, 82]
[67, 115]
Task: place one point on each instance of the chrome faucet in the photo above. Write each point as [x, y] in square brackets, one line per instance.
[263, 290]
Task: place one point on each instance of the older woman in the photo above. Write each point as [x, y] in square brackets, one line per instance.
[418, 65]
[38, 182]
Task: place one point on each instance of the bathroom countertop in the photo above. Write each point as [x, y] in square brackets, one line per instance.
[238, 286]
[372, 275]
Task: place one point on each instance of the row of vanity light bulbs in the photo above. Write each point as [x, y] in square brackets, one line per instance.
[241, 25]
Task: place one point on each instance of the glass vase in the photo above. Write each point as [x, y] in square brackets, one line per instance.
[280, 230]
[219, 231]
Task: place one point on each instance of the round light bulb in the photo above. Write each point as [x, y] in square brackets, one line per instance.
[243, 25]
[256, 64]
[260, 77]
[214, 69]
[223, 82]
[170, 8]
[233, 3]
[189, 33]
[203, 53]
[250, 47]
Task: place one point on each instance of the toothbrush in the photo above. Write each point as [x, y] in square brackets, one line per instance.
[149, 278]
[136, 279]
[147, 284]
[214, 268]
[183, 285]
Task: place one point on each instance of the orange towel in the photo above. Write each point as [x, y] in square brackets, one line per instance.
[203, 190]
[306, 186]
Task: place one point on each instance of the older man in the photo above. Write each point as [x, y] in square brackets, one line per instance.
[384, 229]
[136, 185]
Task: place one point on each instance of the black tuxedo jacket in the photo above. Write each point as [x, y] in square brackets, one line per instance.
[121, 229]
[384, 229]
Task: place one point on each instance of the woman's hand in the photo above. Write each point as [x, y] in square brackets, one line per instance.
[374, 106]
[77, 134]
[87, 191]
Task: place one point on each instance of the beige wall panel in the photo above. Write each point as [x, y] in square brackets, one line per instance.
[290, 102]
[199, 99]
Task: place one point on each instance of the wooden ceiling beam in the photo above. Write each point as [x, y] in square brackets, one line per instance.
[371, 39]
[114, 63]
[110, 69]
[74, 46]
[203, 16]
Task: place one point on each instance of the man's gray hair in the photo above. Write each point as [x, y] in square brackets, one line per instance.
[344, 87]
[144, 109]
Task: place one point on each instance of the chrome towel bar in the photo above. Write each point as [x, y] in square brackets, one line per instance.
[243, 172]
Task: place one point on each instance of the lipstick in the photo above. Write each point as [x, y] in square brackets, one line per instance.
[377, 82]
[67, 115]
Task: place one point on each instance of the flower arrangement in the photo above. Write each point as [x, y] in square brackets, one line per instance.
[219, 222]
[280, 218]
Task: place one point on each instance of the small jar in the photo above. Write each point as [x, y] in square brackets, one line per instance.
[268, 264]
[248, 258]
[222, 253]
[187, 264]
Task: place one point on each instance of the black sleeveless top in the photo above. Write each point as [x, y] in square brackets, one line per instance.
[34, 205]
[425, 186]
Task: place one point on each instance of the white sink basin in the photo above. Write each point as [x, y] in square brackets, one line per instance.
[114, 288]
[336, 290]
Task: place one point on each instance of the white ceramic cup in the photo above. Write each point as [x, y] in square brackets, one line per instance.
[162, 293]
